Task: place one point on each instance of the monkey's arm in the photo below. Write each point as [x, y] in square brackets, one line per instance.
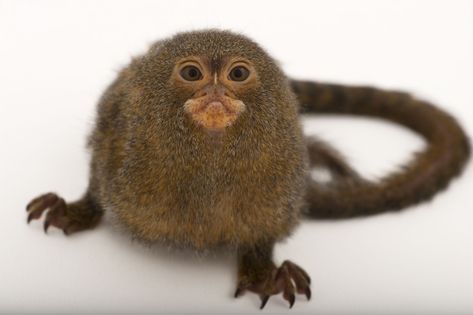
[86, 212]
[258, 273]
[70, 217]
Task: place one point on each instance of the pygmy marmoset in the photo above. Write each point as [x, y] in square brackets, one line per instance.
[198, 143]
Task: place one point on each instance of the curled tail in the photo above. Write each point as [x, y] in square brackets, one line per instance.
[429, 171]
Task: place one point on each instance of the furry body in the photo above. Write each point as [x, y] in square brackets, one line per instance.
[168, 178]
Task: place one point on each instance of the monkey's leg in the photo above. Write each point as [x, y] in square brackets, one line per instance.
[257, 273]
[71, 217]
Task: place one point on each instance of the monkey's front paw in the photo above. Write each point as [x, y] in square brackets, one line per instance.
[289, 278]
[56, 216]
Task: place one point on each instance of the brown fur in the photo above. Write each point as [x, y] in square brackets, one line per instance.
[168, 179]
[429, 172]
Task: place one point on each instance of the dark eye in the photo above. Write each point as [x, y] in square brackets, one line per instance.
[239, 73]
[191, 73]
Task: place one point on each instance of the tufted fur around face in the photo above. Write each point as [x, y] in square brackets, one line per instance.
[168, 180]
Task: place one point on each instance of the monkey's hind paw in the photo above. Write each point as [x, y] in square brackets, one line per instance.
[289, 278]
[61, 215]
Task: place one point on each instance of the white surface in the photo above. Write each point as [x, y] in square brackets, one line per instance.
[57, 57]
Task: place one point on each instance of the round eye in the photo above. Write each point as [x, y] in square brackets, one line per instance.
[239, 73]
[191, 73]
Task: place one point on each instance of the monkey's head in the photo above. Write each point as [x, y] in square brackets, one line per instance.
[212, 80]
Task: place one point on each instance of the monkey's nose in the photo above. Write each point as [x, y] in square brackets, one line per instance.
[217, 91]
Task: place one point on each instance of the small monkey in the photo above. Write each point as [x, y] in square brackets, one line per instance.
[198, 143]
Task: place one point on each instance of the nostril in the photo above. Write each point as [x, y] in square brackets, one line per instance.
[214, 91]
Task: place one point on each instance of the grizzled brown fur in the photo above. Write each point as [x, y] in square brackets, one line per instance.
[428, 172]
[168, 179]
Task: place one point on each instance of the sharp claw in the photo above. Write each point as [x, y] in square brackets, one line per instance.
[30, 217]
[237, 292]
[308, 293]
[46, 226]
[28, 206]
[292, 299]
[264, 300]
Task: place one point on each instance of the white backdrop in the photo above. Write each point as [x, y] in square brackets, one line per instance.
[58, 56]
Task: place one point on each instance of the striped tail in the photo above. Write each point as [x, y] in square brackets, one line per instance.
[429, 171]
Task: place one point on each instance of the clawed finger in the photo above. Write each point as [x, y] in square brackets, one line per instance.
[264, 300]
[239, 291]
[284, 283]
[300, 278]
[38, 205]
[56, 215]
[288, 279]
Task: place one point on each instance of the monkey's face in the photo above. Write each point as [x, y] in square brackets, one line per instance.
[213, 81]
[214, 86]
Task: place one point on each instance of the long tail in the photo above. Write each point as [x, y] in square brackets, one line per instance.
[429, 171]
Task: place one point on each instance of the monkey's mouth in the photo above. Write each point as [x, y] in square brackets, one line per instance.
[214, 113]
